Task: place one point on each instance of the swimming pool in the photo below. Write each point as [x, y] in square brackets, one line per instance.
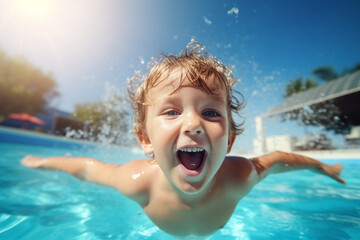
[37, 204]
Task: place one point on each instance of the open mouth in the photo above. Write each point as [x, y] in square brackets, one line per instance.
[191, 158]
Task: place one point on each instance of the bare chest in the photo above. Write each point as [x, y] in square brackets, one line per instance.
[177, 218]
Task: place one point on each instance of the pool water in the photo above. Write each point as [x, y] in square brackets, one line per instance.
[39, 204]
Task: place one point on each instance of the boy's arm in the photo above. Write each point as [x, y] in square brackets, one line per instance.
[121, 177]
[278, 162]
[79, 167]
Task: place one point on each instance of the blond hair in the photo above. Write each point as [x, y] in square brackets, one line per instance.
[198, 66]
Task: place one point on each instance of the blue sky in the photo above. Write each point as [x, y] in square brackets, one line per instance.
[86, 43]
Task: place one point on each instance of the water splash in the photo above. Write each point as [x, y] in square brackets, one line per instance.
[109, 120]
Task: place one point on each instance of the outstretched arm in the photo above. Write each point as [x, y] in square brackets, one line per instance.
[80, 167]
[278, 162]
[125, 178]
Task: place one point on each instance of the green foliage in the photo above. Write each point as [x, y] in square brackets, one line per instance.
[23, 87]
[325, 73]
[91, 113]
[355, 68]
[325, 114]
[106, 121]
[298, 85]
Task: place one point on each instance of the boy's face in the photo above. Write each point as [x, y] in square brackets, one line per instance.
[188, 132]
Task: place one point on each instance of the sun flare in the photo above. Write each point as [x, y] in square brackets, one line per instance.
[35, 8]
[50, 29]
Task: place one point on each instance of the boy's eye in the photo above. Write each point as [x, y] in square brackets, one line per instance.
[210, 113]
[172, 113]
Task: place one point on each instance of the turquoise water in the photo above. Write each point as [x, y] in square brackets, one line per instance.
[38, 204]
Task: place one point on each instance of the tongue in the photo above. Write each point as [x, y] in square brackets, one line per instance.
[191, 160]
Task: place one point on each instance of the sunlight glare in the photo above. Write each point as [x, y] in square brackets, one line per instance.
[54, 30]
[35, 8]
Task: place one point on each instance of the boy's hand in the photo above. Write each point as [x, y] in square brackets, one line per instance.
[332, 171]
[32, 161]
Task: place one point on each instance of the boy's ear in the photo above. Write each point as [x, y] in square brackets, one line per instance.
[231, 142]
[145, 143]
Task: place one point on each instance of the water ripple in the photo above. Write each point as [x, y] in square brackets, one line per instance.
[7, 222]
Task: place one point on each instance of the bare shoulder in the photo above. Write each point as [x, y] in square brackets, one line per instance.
[140, 164]
[138, 171]
[238, 169]
[239, 176]
[134, 179]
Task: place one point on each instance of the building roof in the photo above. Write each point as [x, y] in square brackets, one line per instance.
[340, 87]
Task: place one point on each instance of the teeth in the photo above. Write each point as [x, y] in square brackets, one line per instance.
[191, 149]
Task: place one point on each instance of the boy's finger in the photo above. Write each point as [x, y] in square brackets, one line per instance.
[339, 179]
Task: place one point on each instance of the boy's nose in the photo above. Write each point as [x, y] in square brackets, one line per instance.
[193, 125]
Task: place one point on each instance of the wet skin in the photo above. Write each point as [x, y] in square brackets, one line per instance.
[185, 193]
[186, 119]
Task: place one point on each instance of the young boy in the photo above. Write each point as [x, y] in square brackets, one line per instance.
[183, 118]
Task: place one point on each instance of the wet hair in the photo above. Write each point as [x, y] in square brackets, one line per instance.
[199, 67]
